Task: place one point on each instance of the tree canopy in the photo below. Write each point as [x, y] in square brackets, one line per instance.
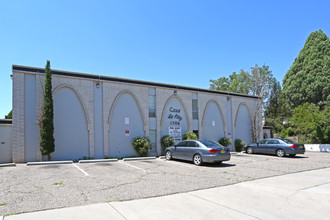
[308, 79]
[47, 141]
[257, 81]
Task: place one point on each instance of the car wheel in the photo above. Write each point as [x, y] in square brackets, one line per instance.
[197, 159]
[249, 150]
[292, 155]
[168, 155]
[280, 153]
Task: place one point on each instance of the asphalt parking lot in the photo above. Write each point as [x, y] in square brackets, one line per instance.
[31, 188]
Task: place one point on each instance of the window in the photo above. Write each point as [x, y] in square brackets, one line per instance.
[192, 144]
[181, 144]
[153, 140]
[195, 109]
[211, 144]
[273, 142]
[262, 142]
[288, 141]
[152, 106]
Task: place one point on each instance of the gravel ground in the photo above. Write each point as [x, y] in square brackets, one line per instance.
[33, 188]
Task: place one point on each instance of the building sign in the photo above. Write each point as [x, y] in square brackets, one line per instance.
[175, 133]
[126, 132]
[175, 119]
[126, 121]
[175, 116]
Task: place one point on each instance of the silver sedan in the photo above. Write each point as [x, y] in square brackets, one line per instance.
[277, 146]
[198, 151]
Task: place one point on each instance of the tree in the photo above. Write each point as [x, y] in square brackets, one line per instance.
[307, 118]
[262, 81]
[258, 81]
[308, 79]
[273, 105]
[238, 83]
[47, 141]
[10, 115]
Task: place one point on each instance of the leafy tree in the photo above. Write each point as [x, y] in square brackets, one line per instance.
[306, 118]
[273, 104]
[10, 115]
[47, 141]
[308, 79]
[238, 83]
[258, 81]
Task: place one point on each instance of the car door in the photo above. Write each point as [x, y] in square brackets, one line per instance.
[190, 150]
[269, 146]
[273, 146]
[261, 147]
[179, 150]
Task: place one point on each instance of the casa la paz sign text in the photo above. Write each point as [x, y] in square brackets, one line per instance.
[175, 116]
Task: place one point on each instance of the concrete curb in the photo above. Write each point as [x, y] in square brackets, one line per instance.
[161, 157]
[49, 162]
[8, 165]
[139, 158]
[98, 161]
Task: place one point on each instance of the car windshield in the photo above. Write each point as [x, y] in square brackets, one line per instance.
[288, 141]
[211, 144]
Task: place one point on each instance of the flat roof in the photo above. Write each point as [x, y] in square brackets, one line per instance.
[6, 121]
[129, 81]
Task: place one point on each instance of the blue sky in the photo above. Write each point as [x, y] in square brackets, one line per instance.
[177, 42]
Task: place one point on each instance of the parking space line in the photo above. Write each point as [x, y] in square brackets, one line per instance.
[180, 163]
[83, 171]
[130, 165]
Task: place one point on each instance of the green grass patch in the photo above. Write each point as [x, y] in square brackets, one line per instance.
[58, 183]
[3, 204]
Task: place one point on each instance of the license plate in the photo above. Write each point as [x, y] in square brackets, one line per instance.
[300, 146]
[222, 151]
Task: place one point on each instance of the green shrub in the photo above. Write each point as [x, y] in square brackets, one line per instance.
[166, 141]
[189, 136]
[284, 133]
[225, 141]
[141, 145]
[239, 144]
[290, 131]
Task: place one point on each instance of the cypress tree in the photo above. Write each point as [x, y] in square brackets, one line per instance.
[47, 141]
[308, 79]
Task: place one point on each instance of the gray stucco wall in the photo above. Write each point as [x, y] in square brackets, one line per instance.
[125, 123]
[97, 123]
[5, 143]
[70, 126]
[243, 125]
[30, 118]
[213, 126]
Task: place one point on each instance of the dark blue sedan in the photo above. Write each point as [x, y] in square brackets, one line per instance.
[277, 146]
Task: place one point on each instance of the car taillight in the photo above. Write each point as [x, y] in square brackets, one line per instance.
[213, 151]
[228, 150]
[293, 146]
